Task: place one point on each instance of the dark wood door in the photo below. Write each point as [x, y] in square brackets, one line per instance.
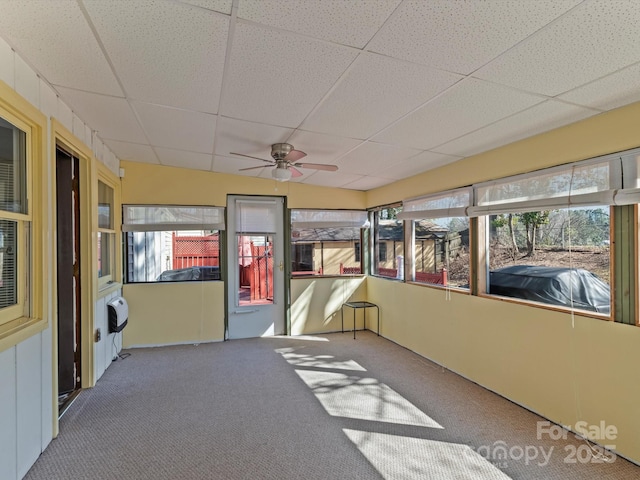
[68, 249]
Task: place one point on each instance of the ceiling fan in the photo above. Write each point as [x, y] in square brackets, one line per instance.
[286, 161]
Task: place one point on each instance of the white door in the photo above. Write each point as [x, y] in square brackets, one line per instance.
[256, 262]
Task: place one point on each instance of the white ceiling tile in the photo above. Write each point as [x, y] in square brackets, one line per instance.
[77, 60]
[182, 159]
[370, 157]
[7, 72]
[132, 151]
[537, 119]
[465, 107]
[351, 22]
[363, 103]
[27, 82]
[178, 129]
[232, 165]
[164, 52]
[462, 36]
[415, 165]
[112, 117]
[222, 6]
[612, 91]
[593, 40]
[247, 137]
[277, 78]
[321, 148]
[367, 183]
[329, 179]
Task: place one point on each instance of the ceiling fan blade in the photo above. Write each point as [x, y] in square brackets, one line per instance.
[294, 156]
[255, 158]
[318, 166]
[295, 172]
[252, 168]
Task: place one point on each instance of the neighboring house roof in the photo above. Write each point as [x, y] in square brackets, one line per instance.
[389, 230]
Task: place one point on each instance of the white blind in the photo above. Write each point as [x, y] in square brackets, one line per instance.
[328, 218]
[592, 183]
[256, 216]
[630, 194]
[452, 203]
[156, 218]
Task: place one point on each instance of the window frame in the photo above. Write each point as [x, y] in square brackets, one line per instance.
[375, 251]
[113, 278]
[26, 318]
[322, 218]
[141, 225]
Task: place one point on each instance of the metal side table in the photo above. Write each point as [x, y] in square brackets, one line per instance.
[356, 306]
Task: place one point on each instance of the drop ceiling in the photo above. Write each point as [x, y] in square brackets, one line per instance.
[385, 89]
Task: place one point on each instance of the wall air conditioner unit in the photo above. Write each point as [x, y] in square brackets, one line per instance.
[118, 314]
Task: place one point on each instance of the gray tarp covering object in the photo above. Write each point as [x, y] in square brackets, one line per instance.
[552, 285]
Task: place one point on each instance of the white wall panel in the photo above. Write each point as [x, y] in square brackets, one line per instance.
[65, 115]
[99, 347]
[47, 387]
[7, 71]
[27, 82]
[48, 100]
[29, 402]
[8, 425]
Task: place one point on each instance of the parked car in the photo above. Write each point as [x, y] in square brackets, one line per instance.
[553, 285]
[190, 274]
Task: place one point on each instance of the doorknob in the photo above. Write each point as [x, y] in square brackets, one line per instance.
[281, 266]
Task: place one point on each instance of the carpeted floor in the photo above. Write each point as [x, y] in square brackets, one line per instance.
[321, 407]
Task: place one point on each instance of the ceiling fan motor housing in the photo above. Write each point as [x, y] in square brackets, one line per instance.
[280, 150]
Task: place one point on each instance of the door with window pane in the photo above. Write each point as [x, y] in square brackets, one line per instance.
[256, 267]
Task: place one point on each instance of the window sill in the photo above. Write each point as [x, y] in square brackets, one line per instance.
[544, 306]
[438, 286]
[16, 331]
[107, 288]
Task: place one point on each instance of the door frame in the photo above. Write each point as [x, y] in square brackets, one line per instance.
[230, 242]
[65, 139]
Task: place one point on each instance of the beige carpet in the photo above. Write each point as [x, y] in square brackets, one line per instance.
[321, 407]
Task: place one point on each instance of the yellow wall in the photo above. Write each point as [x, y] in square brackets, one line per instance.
[153, 184]
[565, 369]
[173, 313]
[609, 132]
[316, 302]
[193, 312]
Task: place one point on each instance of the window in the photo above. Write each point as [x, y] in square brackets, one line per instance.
[23, 189]
[326, 242]
[388, 243]
[172, 244]
[14, 222]
[440, 237]
[382, 251]
[549, 235]
[106, 234]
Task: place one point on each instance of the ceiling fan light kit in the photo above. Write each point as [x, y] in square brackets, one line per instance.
[281, 174]
[285, 160]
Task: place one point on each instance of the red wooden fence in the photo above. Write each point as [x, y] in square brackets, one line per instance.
[195, 251]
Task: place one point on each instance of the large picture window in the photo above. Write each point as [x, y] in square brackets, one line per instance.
[172, 244]
[326, 242]
[558, 257]
[549, 234]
